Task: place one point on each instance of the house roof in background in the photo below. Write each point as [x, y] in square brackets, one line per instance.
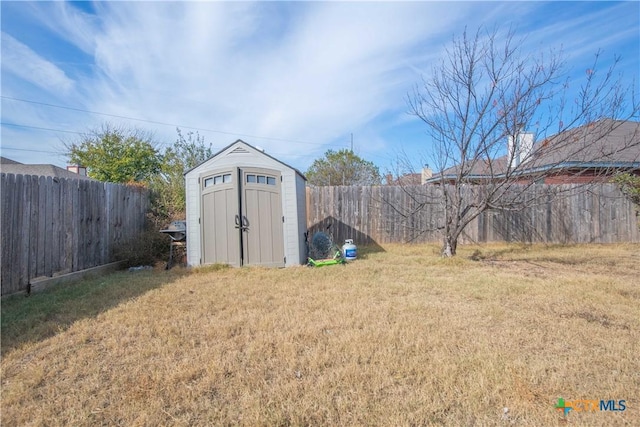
[604, 143]
[5, 161]
[17, 168]
[406, 179]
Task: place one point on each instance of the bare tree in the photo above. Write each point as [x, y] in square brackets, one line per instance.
[480, 104]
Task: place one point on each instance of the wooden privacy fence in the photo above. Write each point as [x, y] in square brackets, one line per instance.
[570, 213]
[52, 226]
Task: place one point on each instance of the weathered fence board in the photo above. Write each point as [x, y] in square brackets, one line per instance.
[597, 213]
[4, 237]
[52, 226]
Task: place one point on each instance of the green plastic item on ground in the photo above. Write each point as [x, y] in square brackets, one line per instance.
[323, 262]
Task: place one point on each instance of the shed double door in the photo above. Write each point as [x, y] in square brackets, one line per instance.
[241, 217]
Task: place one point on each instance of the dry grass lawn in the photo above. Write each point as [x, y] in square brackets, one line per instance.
[399, 337]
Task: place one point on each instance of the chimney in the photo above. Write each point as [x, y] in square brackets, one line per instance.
[80, 170]
[389, 179]
[427, 173]
[519, 148]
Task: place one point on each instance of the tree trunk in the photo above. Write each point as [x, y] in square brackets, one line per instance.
[450, 246]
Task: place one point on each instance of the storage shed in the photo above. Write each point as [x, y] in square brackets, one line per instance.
[245, 207]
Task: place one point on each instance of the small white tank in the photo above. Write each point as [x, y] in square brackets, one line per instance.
[349, 250]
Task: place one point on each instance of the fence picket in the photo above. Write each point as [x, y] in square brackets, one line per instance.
[24, 228]
[16, 224]
[7, 233]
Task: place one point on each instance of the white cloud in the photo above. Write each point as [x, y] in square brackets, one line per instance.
[581, 31]
[67, 22]
[19, 59]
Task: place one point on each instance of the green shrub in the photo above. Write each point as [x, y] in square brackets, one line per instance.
[148, 248]
[630, 185]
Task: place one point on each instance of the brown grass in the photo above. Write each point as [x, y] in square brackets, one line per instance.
[400, 337]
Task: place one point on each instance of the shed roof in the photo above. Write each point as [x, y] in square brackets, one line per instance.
[239, 142]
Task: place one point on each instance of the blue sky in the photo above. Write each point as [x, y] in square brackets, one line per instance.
[295, 78]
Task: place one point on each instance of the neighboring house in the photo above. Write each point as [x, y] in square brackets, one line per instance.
[17, 168]
[406, 179]
[410, 178]
[590, 153]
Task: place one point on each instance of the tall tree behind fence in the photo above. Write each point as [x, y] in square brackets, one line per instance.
[570, 213]
[53, 226]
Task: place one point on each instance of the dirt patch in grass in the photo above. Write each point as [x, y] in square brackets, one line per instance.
[401, 338]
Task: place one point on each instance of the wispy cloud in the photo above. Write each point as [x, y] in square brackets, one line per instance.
[20, 60]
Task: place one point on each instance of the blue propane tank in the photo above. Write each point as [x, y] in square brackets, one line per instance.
[349, 250]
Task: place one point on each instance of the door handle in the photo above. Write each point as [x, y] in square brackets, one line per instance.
[245, 223]
[237, 219]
